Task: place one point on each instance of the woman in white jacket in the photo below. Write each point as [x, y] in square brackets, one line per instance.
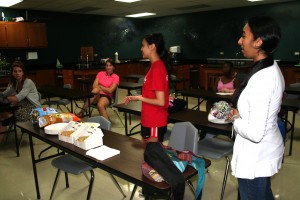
[258, 147]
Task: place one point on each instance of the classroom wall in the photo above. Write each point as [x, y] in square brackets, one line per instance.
[201, 35]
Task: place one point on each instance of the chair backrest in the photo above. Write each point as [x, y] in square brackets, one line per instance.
[104, 123]
[115, 98]
[139, 91]
[184, 136]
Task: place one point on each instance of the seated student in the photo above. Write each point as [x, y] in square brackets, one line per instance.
[20, 90]
[226, 83]
[105, 84]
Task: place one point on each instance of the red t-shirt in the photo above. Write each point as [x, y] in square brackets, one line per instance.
[107, 81]
[155, 80]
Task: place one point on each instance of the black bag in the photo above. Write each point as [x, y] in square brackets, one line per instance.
[157, 158]
[176, 105]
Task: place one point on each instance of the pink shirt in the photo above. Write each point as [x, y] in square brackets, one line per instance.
[222, 86]
[107, 81]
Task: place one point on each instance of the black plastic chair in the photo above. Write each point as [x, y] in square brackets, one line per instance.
[60, 101]
[72, 165]
[114, 102]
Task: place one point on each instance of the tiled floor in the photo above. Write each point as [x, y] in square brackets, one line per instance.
[16, 176]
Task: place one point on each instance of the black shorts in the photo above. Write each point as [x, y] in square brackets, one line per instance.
[108, 97]
[154, 132]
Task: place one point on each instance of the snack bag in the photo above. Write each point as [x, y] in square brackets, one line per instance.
[40, 112]
[219, 113]
[57, 118]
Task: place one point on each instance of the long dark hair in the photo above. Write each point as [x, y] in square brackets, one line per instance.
[158, 40]
[13, 81]
[269, 31]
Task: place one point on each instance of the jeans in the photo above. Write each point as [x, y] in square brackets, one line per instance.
[255, 189]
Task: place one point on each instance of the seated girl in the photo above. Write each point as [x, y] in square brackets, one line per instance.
[105, 84]
[226, 83]
[21, 90]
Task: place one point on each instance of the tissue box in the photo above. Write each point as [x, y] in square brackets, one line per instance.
[69, 133]
[91, 138]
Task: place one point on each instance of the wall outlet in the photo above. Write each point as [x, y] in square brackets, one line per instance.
[296, 53]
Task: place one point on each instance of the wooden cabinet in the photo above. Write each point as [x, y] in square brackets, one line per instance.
[4, 80]
[43, 77]
[209, 73]
[290, 74]
[23, 35]
[72, 76]
[3, 40]
[12, 35]
[16, 35]
[37, 35]
[139, 68]
[182, 71]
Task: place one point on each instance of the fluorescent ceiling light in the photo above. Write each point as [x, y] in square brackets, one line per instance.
[8, 3]
[141, 14]
[127, 1]
[254, 0]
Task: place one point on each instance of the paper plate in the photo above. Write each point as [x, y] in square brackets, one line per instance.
[224, 93]
[217, 121]
[54, 129]
[93, 124]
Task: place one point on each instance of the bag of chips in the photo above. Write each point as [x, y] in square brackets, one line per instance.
[40, 112]
[57, 118]
[219, 113]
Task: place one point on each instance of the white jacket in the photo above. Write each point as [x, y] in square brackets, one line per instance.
[258, 147]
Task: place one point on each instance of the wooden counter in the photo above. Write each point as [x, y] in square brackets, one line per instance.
[297, 75]
[208, 73]
[57, 77]
[71, 76]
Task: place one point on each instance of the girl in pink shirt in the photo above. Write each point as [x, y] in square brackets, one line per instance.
[227, 82]
[105, 84]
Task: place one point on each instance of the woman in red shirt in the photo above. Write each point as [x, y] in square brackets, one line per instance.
[155, 92]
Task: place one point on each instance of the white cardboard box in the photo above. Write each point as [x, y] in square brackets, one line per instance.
[77, 127]
[95, 139]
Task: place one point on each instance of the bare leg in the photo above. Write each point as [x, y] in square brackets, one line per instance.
[93, 100]
[103, 103]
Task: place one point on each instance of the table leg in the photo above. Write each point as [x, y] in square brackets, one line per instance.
[16, 136]
[133, 191]
[187, 102]
[34, 168]
[126, 125]
[292, 134]
[89, 104]
[71, 106]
